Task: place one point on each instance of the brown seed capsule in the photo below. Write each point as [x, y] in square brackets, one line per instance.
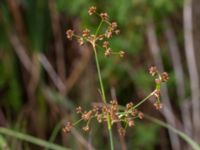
[100, 37]
[92, 10]
[69, 34]
[104, 16]
[86, 128]
[158, 105]
[131, 123]
[105, 44]
[134, 112]
[108, 34]
[113, 25]
[164, 76]
[85, 32]
[87, 115]
[79, 110]
[152, 70]
[67, 128]
[129, 105]
[108, 52]
[121, 53]
[140, 115]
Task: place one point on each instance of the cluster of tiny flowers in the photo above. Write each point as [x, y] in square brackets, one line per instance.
[101, 113]
[99, 38]
[163, 77]
[117, 113]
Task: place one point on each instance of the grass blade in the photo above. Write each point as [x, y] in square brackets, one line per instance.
[31, 139]
[187, 139]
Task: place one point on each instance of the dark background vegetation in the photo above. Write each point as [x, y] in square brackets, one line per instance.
[44, 76]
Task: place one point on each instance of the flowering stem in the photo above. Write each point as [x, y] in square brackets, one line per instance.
[103, 95]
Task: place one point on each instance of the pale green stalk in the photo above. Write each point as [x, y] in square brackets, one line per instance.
[31, 139]
[185, 137]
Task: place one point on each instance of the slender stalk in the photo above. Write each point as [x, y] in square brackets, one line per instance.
[103, 95]
[99, 75]
[98, 28]
[185, 137]
[146, 98]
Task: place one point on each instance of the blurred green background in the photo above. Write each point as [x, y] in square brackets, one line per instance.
[44, 76]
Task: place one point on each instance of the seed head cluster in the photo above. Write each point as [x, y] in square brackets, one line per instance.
[116, 112]
[101, 36]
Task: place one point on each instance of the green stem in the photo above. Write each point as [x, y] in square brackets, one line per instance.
[185, 137]
[55, 133]
[98, 28]
[31, 139]
[103, 96]
[146, 98]
[99, 75]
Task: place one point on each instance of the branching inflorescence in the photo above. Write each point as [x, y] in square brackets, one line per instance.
[111, 112]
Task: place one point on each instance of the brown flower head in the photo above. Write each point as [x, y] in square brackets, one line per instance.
[100, 37]
[164, 76]
[104, 16]
[108, 52]
[129, 105]
[131, 122]
[113, 25]
[79, 110]
[108, 34]
[158, 105]
[87, 115]
[140, 115]
[69, 34]
[67, 128]
[86, 128]
[152, 70]
[121, 53]
[92, 10]
[86, 32]
[105, 44]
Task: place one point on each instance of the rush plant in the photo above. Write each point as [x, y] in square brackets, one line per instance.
[110, 112]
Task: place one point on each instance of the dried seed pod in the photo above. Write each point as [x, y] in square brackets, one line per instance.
[104, 16]
[164, 76]
[153, 70]
[69, 34]
[158, 105]
[92, 10]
